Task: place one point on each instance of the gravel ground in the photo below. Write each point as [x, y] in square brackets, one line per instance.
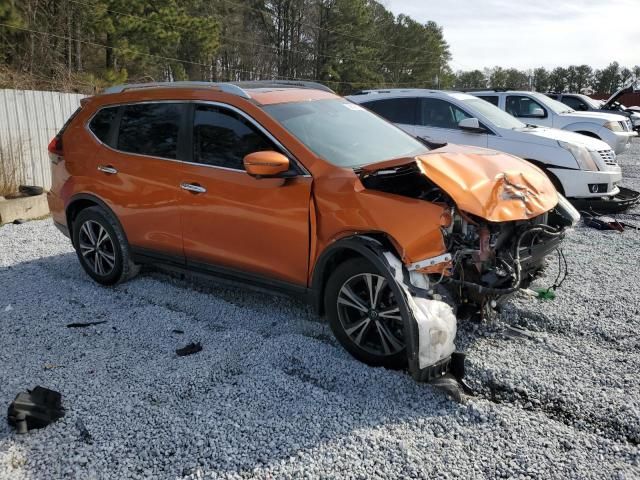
[272, 395]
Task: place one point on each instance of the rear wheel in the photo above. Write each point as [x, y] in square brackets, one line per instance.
[102, 247]
[364, 314]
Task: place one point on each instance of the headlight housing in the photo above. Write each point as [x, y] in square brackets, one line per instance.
[581, 154]
[614, 126]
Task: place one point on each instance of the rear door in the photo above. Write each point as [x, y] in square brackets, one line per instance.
[438, 122]
[235, 222]
[139, 173]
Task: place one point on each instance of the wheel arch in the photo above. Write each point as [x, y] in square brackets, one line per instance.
[365, 245]
[83, 201]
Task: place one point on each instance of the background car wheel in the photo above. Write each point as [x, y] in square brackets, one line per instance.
[364, 314]
[102, 247]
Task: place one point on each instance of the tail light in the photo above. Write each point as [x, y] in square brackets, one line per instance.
[55, 150]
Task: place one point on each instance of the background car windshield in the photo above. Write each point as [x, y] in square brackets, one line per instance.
[553, 105]
[343, 133]
[492, 113]
[590, 101]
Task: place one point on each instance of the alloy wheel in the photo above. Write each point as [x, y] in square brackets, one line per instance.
[96, 247]
[369, 314]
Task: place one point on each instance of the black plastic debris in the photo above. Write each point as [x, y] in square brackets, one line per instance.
[85, 435]
[189, 349]
[35, 408]
[87, 324]
[177, 331]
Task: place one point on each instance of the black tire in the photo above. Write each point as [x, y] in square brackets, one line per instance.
[30, 190]
[350, 274]
[114, 254]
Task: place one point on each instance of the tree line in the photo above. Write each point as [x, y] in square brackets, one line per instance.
[575, 78]
[85, 45]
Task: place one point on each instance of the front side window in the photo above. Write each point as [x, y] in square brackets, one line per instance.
[101, 123]
[396, 110]
[520, 106]
[222, 137]
[343, 133]
[441, 114]
[494, 115]
[150, 129]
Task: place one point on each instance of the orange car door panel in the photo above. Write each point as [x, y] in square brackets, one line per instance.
[233, 220]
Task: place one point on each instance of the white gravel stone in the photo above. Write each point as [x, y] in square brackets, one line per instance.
[272, 395]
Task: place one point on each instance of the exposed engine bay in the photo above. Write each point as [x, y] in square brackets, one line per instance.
[487, 260]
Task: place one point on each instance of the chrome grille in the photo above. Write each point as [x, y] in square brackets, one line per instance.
[608, 157]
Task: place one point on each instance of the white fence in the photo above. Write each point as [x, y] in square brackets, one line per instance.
[29, 119]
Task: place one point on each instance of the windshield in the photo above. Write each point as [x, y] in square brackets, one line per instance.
[497, 117]
[553, 105]
[343, 133]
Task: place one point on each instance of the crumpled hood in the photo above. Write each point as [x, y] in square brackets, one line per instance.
[492, 185]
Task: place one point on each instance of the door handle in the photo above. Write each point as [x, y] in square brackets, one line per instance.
[108, 169]
[193, 187]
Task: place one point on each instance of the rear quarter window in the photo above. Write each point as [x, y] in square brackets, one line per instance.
[493, 99]
[101, 123]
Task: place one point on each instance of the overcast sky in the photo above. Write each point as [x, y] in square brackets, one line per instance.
[530, 33]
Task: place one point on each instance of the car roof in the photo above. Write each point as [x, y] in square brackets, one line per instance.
[370, 95]
[259, 92]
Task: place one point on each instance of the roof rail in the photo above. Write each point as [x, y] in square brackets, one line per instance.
[225, 87]
[235, 88]
[283, 84]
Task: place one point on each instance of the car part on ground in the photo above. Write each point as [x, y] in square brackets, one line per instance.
[624, 200]
[35, 409]
[580, 167]
[189, 349]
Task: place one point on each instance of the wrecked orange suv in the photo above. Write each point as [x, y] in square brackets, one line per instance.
[289, 187]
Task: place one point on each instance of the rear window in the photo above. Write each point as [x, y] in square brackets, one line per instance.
[150, 129]
[396, 110]
[101, 123]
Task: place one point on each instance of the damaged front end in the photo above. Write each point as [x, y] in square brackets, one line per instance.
[500, 218]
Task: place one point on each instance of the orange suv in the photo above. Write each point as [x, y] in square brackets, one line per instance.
[288, 187]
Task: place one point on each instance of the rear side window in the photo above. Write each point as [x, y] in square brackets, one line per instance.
[101, 123]
[223, 138]
[493, 99]
[396, 110]
[150, 129]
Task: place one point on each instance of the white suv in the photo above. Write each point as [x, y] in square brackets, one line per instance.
[533, 107]
[582, 168]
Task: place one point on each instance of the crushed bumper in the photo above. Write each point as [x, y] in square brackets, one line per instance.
[626, 198]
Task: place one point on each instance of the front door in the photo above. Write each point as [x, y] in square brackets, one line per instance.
[138, 175]
[232, 220]
[438, 123]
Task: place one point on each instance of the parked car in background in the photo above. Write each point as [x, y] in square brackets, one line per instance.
[583, 169]
[583, 103]
[538, 109]
[293, 189]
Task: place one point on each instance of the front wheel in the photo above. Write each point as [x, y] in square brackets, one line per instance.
[364, 314]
